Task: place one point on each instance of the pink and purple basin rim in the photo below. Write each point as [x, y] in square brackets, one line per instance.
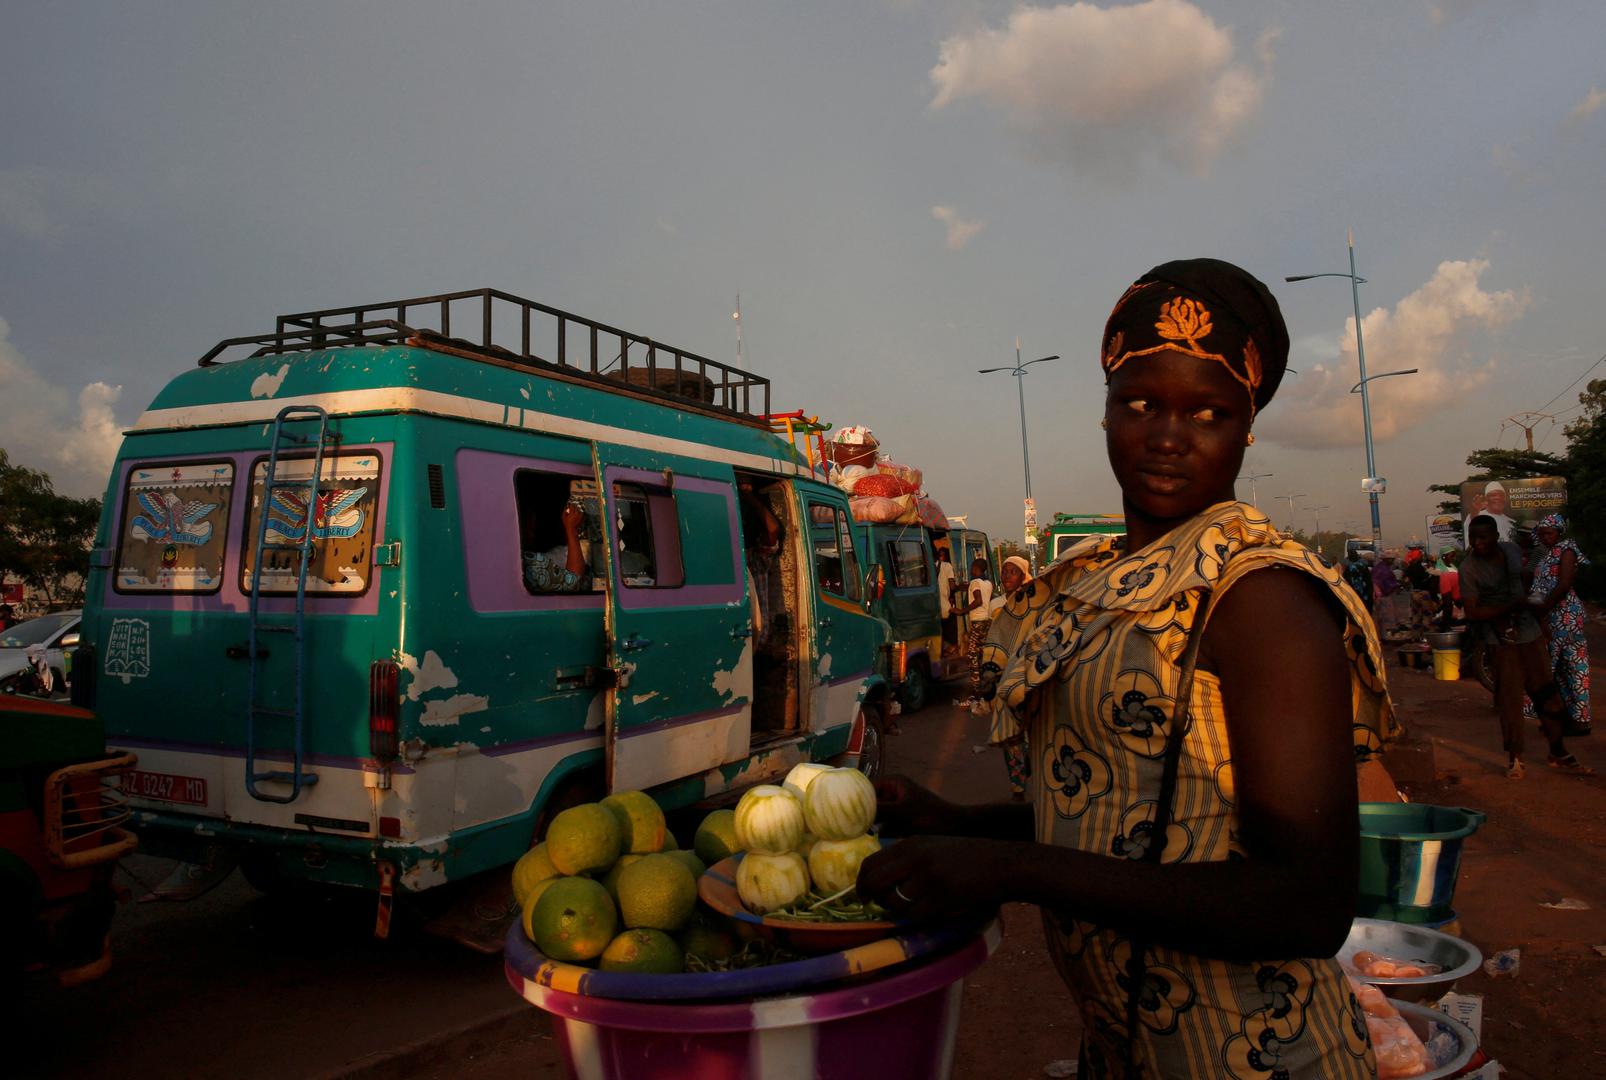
[555, 986]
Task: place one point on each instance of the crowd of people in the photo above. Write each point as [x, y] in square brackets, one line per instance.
[1533, 575]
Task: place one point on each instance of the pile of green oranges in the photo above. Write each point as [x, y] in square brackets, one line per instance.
[609, 886]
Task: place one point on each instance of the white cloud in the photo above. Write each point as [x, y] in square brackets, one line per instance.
[1592, 101]
[43, 427]
[1428, 330]
[1106, 89]
[960, 231]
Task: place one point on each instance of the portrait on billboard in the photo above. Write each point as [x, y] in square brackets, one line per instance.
[1511, 502]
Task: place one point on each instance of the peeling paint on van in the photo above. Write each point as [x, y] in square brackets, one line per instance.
[446, 710]
[266, 385]
[427, 872]
[642, 699]
[431, 675]
[738, 680]
[825, 666]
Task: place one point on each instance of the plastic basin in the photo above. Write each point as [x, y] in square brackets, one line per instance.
[895, 1025]
[1410, 859]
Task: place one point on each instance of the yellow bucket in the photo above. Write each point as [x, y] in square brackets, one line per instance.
[1447, 664]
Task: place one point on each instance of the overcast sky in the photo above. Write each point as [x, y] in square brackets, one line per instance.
[897, 189]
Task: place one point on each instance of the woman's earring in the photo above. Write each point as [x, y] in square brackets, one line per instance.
[1105, 423]
[1251, 440]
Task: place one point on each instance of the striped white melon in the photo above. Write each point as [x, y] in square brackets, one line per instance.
[767, 883]
[802, 775]
[834, 864]
[840, 805]
[769, 819]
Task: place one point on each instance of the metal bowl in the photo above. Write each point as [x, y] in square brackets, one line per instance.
[1455, 1048]
[1444, 640]
[1402, 941]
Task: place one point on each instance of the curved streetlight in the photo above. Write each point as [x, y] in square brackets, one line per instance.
[1019, 371]
[1355, 282]
[1356, 389]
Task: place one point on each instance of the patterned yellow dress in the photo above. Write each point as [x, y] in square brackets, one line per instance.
[1087, 659]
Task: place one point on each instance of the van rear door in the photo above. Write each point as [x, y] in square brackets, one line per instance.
[679, 624]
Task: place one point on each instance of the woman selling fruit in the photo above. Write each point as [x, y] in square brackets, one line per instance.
[1195, 696]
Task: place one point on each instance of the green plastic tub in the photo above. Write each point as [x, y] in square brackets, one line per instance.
[1411, 858]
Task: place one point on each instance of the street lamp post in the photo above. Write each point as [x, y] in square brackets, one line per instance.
[1317, 535]
[1252, 477]
[1291, 499]
[1355, 283]
[1019, 371]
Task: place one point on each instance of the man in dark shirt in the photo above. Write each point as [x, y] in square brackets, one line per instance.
[1498, 606]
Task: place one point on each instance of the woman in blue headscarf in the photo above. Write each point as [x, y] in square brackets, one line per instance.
[1564, 617]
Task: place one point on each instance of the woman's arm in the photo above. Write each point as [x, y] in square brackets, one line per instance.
[1275, 643]
[574, 558]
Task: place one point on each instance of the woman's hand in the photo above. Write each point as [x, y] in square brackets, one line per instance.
[904, 808]
[931, 879]
[573, 517]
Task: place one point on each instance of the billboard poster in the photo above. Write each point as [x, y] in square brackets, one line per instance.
[1511, 502]
[1444, 534]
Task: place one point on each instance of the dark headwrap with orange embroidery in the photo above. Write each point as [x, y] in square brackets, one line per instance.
[1205, 308]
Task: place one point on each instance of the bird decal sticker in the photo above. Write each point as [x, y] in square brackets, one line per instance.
[170, 519]
[335, 514]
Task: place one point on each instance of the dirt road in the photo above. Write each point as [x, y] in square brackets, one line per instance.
[235, 984]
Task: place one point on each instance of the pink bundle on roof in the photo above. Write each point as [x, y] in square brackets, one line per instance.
[881, 510]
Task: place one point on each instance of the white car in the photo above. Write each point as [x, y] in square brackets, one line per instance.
[57, 633]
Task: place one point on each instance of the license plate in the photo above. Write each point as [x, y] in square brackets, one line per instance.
[165, 787]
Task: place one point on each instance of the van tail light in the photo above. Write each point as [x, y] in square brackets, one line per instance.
[897, 661]
[384, 703]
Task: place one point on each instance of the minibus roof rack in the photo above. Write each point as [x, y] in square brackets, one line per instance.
[507, 330]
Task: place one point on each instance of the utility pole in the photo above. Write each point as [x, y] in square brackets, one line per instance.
[1317, 535]
[1291, 499]
[1527, 421]
[1252, 477]
[737, 316]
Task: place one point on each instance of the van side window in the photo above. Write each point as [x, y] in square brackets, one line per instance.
[909, 567]
[559, 532]
[647, 531]
[836, 566]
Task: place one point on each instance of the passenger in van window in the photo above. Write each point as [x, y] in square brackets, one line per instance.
[564, 568]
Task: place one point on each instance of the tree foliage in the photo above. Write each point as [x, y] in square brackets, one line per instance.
[44, 537]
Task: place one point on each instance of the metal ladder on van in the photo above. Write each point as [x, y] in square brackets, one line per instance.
[256, 711]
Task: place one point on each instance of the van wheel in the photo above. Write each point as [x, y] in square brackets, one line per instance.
[916, 688]
[873, 747]
[573, 791]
